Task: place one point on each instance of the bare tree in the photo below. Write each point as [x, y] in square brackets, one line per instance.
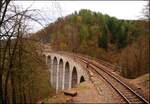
[13, 30]
[3, 10]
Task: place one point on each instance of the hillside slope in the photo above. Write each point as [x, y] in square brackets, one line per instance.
[124, 43]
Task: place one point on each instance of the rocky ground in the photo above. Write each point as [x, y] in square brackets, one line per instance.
[86, 92]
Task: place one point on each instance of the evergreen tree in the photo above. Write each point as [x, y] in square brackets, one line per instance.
[103, 40]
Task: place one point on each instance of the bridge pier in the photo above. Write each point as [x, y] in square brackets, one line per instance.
[51, 70]
[63, 78]
[70, 75]
[57, 77]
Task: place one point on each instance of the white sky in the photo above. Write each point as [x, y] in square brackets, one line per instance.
[51, 10]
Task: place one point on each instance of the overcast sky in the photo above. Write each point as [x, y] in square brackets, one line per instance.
[51, 10]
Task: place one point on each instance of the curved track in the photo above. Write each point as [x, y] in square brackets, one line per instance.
[127, 93]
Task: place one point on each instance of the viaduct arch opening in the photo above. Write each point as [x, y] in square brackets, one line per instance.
[49, 61]
[54, 71]
[74, 78]
[67, 71]
[82, 79]
[44, 57]
[60, 74]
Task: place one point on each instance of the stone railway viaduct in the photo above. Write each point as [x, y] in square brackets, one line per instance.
[65, 72]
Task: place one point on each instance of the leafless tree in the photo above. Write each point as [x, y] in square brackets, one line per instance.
[13, 30]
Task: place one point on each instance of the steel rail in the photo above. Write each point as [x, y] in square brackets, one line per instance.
[112, 75]
[108, 82]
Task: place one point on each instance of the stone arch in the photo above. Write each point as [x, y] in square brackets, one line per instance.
[67, 72]
[82, 79]
[74, 78]
[44, 57]
[54, 72]
[60, 74]
[49, 61]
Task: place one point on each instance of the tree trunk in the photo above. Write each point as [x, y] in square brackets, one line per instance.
[24, 96]
[13, 88]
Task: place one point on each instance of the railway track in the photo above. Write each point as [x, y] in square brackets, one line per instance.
[127, 93]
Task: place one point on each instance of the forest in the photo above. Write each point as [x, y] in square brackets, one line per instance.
[124, 43]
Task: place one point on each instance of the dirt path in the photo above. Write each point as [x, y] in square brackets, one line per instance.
[87, 93]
